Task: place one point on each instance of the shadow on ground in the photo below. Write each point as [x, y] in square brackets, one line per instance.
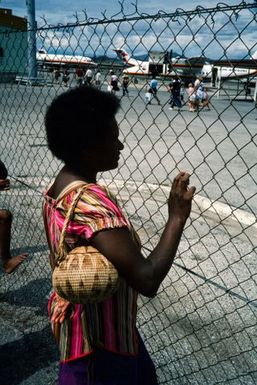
[21, 359]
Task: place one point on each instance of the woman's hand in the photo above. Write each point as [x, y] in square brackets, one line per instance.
[60, 309]
[180, 199]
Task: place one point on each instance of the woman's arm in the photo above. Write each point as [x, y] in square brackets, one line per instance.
[146, 274]
[51, 260]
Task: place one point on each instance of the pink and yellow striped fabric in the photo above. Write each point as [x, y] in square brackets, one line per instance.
[111, 324]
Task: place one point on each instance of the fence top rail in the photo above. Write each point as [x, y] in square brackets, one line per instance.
[136, 15]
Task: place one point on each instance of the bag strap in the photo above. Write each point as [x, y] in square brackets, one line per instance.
[61, 251]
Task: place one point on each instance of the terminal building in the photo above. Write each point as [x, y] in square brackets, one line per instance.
[13, 45]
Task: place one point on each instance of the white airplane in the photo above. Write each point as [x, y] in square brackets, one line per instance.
[176, 65]
[45, 60]
[231, 68]
[188, 67]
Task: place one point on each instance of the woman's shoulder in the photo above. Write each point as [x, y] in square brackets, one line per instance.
[99, 192]
[58, 189]
[90, 195]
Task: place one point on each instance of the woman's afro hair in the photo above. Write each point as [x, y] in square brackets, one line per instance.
[78, 119]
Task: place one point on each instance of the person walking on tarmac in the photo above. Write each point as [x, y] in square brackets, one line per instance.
[125, 83]
[79, 76]
[114, 83]
[89, 76]
[154, 89]
[174, 89]
[98, 78]
[65, 77]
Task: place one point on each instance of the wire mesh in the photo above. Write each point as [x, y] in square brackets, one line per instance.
[200, 329]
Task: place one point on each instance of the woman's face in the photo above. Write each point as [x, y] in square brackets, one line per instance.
[107, 152]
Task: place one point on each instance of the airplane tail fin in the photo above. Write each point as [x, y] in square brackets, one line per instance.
[123, 55]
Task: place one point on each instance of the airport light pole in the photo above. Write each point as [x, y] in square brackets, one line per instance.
[32, 48]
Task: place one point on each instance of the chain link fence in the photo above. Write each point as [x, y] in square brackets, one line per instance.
[201, 328]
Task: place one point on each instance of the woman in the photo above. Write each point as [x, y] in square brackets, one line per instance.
[192, 98]
[114, 83]
[99, 343]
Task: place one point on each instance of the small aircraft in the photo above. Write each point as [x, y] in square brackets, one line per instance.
[189, 67]
[164, 65]
[49, 60]
[231, 68]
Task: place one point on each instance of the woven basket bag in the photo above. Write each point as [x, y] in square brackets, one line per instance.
[83, 275]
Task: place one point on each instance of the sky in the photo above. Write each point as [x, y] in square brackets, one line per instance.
[174, 37]
[63, 10]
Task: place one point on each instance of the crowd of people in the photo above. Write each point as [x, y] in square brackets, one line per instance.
[82, 76]
[197, 95]
[92, 77]
[194, 94]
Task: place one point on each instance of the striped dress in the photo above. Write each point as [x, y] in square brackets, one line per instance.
[111, 324]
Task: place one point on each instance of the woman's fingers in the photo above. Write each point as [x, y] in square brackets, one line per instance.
[181, 181]
[59, 312]
[180, 186]
[190, 193]
[185, 181]
[57, 316]
[177, 179]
